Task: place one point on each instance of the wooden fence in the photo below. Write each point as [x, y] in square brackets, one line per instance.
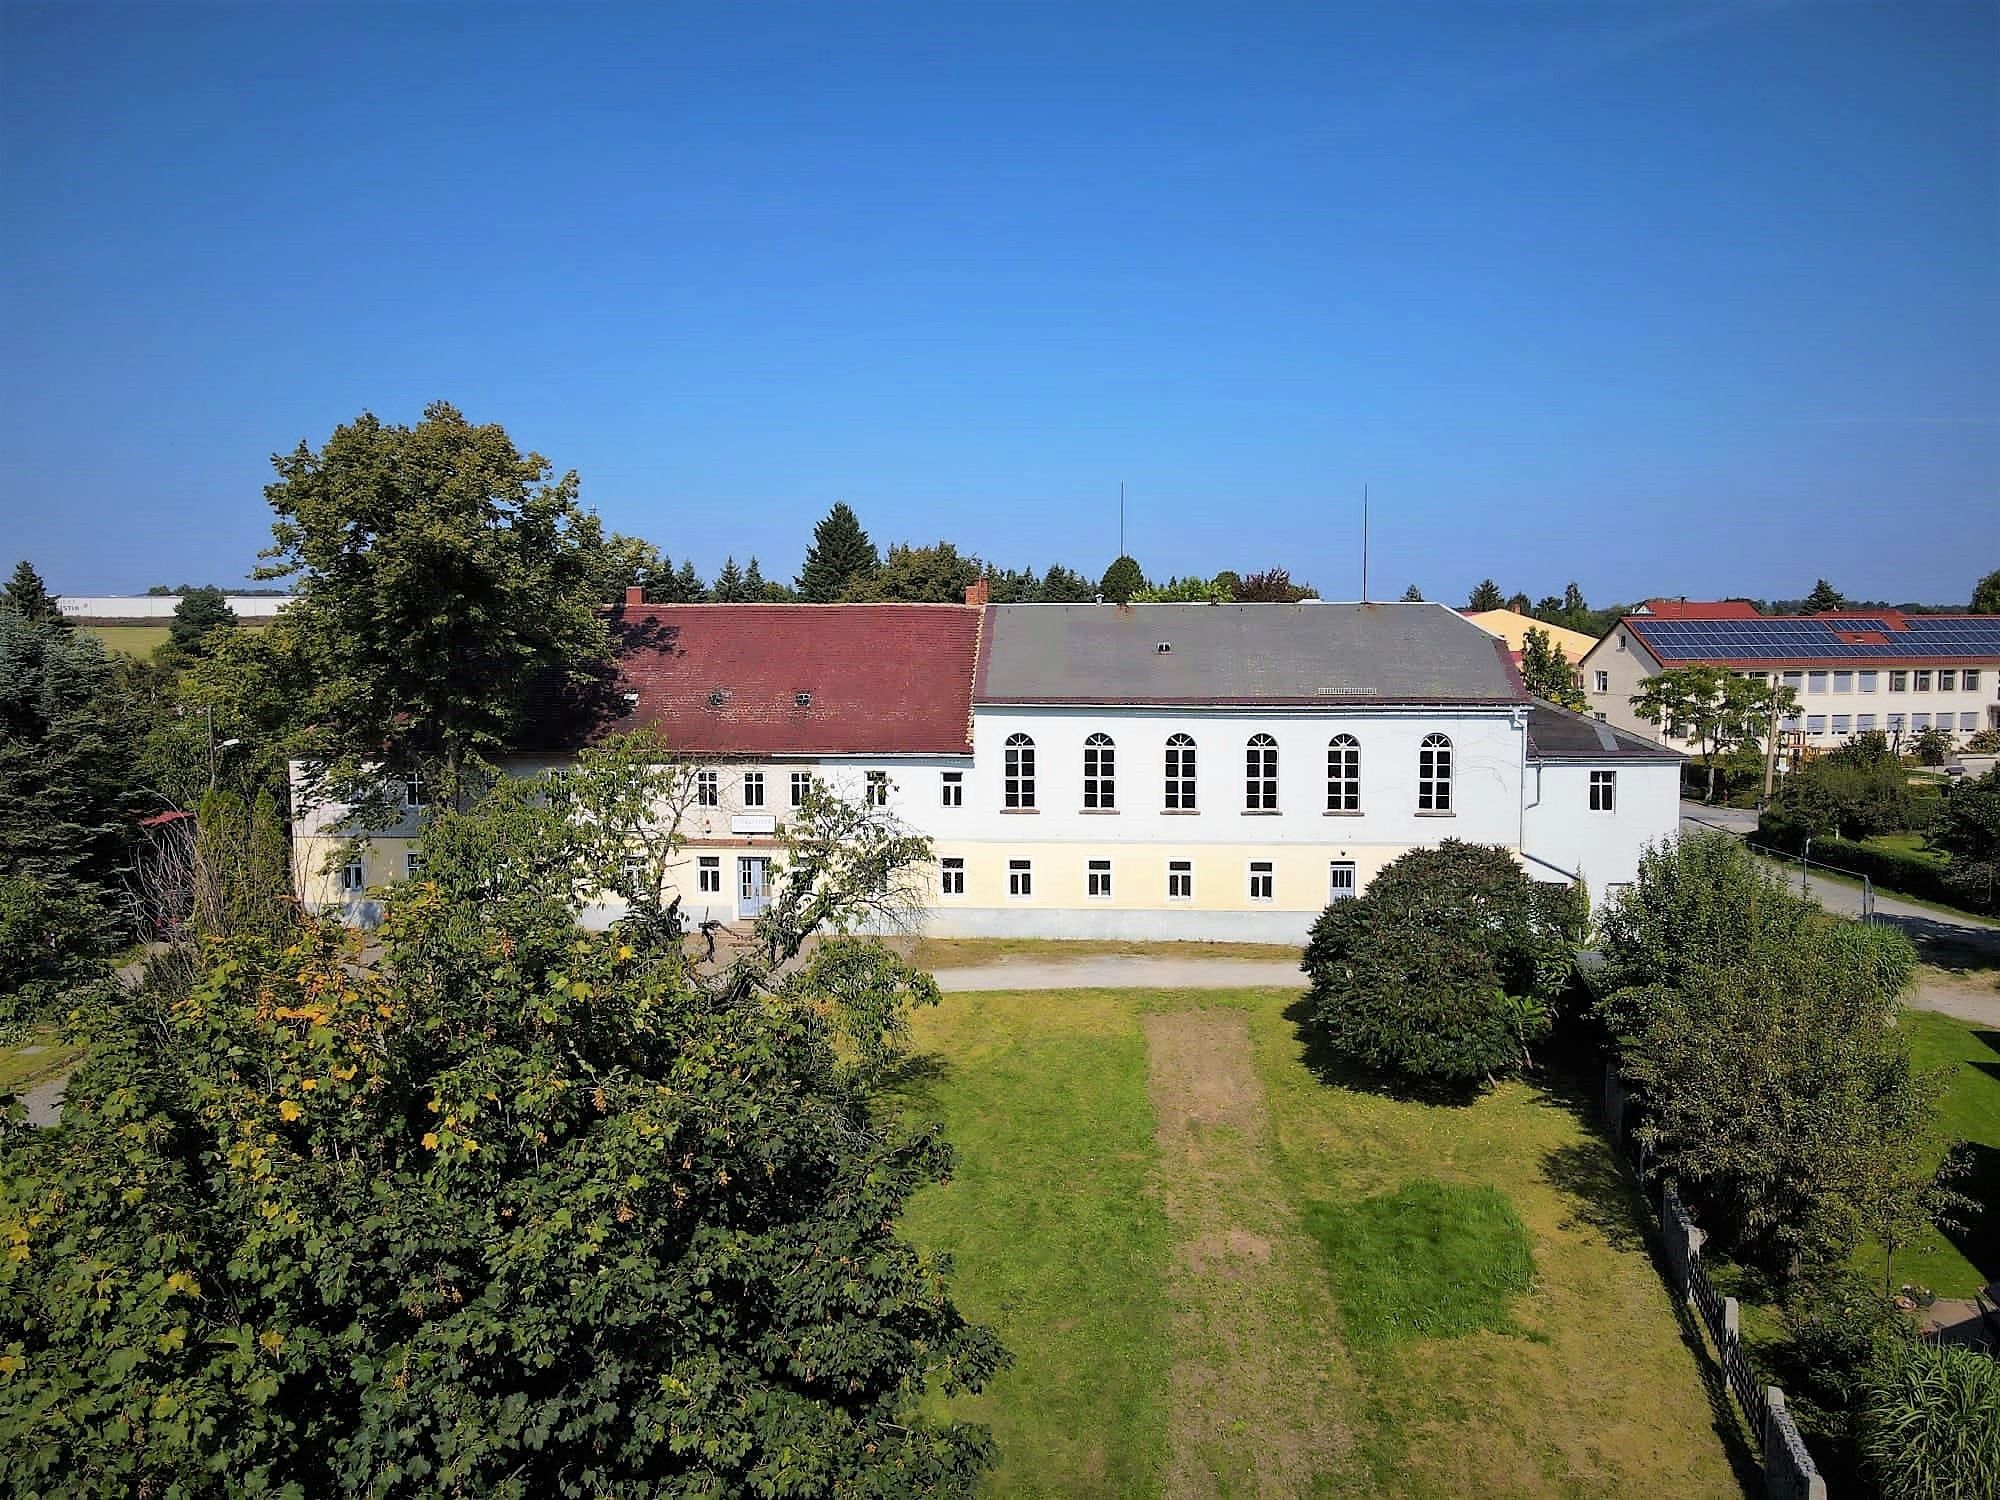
[1789, 1472]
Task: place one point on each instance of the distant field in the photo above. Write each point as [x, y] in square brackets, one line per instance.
[141, 640]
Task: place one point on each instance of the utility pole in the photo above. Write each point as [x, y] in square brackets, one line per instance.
[1771, 741]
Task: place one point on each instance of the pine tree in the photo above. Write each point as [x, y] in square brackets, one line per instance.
[1487, 596]
[729, 587]
[1122, 580]
[841, 554]
[1823, 597]
[755, 589]
[28, 596]
[1518, 603]
[1413, 595]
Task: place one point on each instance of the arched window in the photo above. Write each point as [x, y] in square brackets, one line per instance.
[1100, 774]
[1434, 774]
[1180, 773]
[1260, 774]
[1343, 774]
[1020, 771]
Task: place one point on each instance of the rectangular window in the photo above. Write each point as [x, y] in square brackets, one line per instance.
[1260, 774]
[1791, 723]
[753, 788]
[1815, 723]
[1180, 880]
[1923, 682]
[951, 877]
[1842, 724]
[1340, 880]
[1603, 682]
[1100, 879]
[1843, 682]
[1895, 723]
[1262, 882]
[878, 788]
[951, 789]
[708, 874]
[1795, 680]
[351, 877]
[802, 784]
[413, 792]
[1947, 682]
[1343, 774]
[707, 792]
[1971, 676]
[1020, 778]
[1603, 791]
[1920, 722]
[1100, 774]
[1868, 682]
[413, 866]
[1899, 682]
[1020, 878]
[1815, 682]
[1865, 723]
[1969, 722]
[633, 864]
[1180, 773]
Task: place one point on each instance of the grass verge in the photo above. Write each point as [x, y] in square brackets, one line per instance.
[960, 953]
[36, 1053]
[1956, 1263]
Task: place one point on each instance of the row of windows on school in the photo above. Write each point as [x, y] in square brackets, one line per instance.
[1180, 784]
[1868, 723]
[1261, 883]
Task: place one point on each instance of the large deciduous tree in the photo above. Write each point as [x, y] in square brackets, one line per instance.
[499, 1207]
[1759, 1035]
[840, 556]
[1968, 830]
[442, 580]
[937, 574]
[1445, 968]
[1986, 595]
[1550, 674]
[1714, 710]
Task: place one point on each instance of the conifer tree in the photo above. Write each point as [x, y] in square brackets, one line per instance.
[1121, 581]
[841, 555]
[729, 587]
[1413, 595]
[1486, 596]
[29, 597]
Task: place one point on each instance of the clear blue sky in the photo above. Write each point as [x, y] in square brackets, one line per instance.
[1662, 298]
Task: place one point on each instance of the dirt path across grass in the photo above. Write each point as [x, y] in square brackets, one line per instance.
[1251, 1393]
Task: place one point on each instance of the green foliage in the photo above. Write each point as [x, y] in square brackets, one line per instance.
[242, 868]
[1760, 1035]
[199, 613]
[1930, 1426]
[443, 582]
[1432, 1260]
[1062, 585]
[841, 555]
[51, 939]
[1715, 710]
[1413, 595]
[729, 587]
[1121, 581]
[1824, 596]
[504, 1209]
[1986, 595]
[870, 994]
[1486, 595]
[27, 596]
[1193, 589]
[1549, 674]
[917, 575]
[1854, 791]
[1272, 586]
[1445, 968]
[1968, 830]
[1931, 747]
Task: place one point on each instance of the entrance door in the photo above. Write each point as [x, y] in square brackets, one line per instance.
[751, 877]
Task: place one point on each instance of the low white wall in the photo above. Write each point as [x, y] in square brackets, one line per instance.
[161, 606]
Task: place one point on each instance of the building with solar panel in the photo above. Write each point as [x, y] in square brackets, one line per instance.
[1854, 671]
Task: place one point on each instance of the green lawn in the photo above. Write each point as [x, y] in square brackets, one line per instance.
[143, 640]
[1220, 1274]
[1910, 845]
[32, 1056]
[1957, 1263]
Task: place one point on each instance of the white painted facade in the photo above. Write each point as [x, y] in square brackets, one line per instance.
[1564, 830]
[161, 606]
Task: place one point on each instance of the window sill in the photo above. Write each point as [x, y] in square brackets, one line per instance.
[1180, 812]
[1262, 812]
[1353, 812]
[1017, 812]
[1097, 812]
[1443, 812]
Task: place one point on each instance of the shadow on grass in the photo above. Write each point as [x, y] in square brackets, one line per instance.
[1600, 1193]
[1338, 1071]
[1978, 1237]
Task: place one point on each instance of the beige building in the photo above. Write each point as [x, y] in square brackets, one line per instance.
[1512, 627]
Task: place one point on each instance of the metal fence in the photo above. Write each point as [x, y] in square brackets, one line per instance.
[1806, 864]
[1789, 1472]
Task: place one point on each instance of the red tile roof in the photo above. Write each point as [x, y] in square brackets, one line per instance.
[881, 679]
[1699, 609]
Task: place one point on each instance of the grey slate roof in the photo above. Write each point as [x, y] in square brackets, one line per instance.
[1558, 734]
[1229, 654]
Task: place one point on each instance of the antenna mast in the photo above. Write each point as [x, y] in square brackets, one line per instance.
[1121, 518]
[1364, 544]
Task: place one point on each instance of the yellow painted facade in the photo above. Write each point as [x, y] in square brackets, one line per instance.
[1513, 627]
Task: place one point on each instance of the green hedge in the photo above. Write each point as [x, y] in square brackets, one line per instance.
[1900, 874]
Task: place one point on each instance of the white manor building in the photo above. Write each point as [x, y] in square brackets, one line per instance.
[1153, 771]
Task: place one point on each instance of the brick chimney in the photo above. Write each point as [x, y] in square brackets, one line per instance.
[978, 592]
[634, 596]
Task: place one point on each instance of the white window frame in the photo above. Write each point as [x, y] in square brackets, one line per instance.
[1018, 780]
[1899, 682]
[1604, 791]
[1816, 682]
[1603, 682]
[1020, 879]
[753, 788]
[353, 878]
[1843, 682]
[1260, 774]
[951, 789]
[413, 792]
[1947, 680]
[1263, 873]
[801, 787]
[1343, 775]
[1434, 776]
[1100, 773]
[1843, 724]
[707, 788]
[1866, 681]
[1343, 881]
[708, 874]
[1180, 872]
[1097, 879]
[1969, 679]
[1921, 682]
[875, 789]
[1180, 773]
[951, 876]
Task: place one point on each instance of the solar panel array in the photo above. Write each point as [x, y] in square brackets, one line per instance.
[1975, 637]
